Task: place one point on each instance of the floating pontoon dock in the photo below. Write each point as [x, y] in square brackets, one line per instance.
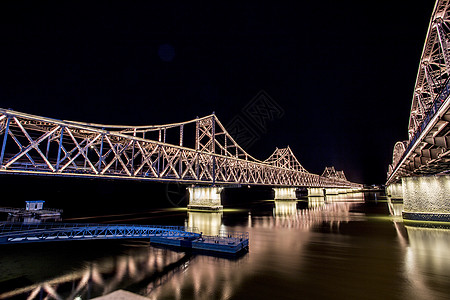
[174, 236]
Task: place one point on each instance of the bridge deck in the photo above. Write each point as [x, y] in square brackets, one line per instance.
[428, 150]
[225, 242]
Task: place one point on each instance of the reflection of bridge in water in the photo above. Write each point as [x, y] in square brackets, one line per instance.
[428, 250]
[157, 273]
[333, 209]
[205, 278]
[144, 266]
[426, 259]
[332, 212]
[210, 223]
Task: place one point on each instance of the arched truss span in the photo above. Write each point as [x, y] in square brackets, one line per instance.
[199, 151]
[434, 66]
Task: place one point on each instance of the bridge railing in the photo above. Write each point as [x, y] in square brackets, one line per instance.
[226, 237]
[437, 103]
[7, 227]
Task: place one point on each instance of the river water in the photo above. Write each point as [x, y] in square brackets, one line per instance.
[349, 246]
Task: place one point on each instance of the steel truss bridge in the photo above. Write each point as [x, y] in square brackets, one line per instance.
[427, 151]
[199, 151]
[45, 232]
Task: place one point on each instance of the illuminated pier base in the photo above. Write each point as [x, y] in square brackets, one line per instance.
[331, 191]
[285, 193]
[426, 198]
[316, 192]
[343, 191]
[205, 198]
[395, 191]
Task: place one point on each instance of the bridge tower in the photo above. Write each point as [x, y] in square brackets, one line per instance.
[285, 158]
[338, 176]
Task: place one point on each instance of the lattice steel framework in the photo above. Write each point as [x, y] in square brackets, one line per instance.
[428, 149]
[434, 66]
[199, 151]
[330, 172]
[284, 158]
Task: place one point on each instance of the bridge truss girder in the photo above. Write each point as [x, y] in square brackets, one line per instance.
[427, 151]
[38, 145]
[434, 66]
[428, 155]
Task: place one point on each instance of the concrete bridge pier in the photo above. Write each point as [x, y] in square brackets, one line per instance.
[316, 192]
[426, 198]
[205, 198]
[285, 193]
[395, 191]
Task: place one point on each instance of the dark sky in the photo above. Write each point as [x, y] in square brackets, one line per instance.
[341, 73]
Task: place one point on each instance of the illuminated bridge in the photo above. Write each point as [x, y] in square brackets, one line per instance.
[420, 167]
[196, 152]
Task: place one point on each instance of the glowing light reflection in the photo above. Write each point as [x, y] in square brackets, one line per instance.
[207, 222]
[427, 260]
[127, 269]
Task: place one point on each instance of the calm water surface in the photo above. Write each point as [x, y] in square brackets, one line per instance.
[342, 247]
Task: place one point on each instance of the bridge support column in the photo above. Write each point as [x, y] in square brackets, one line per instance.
[395, 191]
[285, 193]
[315, 192]
[205, 198]
[331, 191]
[426, 198]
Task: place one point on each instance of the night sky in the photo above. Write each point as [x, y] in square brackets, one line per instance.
[339, 75]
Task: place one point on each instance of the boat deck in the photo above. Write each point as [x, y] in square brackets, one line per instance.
[230, 243]
[22, 212]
